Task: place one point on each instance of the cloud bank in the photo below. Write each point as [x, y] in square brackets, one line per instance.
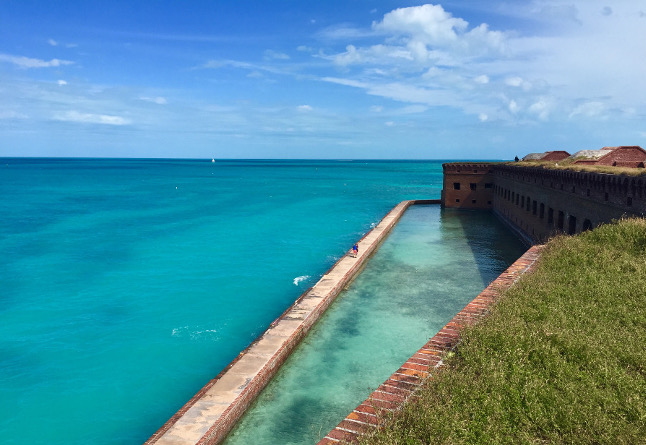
[28, 62]
[90, 118]
[571, 53]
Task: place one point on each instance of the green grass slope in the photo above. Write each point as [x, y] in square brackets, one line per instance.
[561, 358]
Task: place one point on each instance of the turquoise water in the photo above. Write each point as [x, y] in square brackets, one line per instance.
[126, 285]
[433, 263]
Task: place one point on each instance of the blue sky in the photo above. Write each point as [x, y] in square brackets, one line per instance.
[330, 79]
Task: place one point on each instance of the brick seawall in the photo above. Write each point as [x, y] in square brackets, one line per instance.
[213, 411]
[403, 383]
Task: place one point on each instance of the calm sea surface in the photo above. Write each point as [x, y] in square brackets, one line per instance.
[127, 284]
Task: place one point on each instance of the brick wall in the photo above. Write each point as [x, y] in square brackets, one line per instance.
[468, 185]
[624, 156]
[540, 202]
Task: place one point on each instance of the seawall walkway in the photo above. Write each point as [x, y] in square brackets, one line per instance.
[214, 410]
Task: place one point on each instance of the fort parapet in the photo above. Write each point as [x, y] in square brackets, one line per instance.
[540, 202]
[468, 185]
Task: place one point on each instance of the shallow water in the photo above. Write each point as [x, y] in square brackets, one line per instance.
[433, 263]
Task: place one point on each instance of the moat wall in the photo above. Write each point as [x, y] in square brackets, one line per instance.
[211, 413]
[539, 203]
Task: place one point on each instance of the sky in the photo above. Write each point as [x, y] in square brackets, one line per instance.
[352, 79]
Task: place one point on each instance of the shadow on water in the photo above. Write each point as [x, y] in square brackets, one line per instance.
[493, 245]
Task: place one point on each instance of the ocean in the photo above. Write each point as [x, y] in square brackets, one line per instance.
[127, 284]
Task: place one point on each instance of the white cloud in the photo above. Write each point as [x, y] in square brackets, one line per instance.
[413, 52]
[156, 100]
[52, 42]
[343, 32]
[376, 108]
[428, 51]
[483, 117]
[541, 108]
[482, 79]
[90, 118]
[514, 81]
[266, 68]
[62, 82]
[572, 52]
[274, 55]
[27, 62]
[346, 82]
[427, 23]
[429, 28]
[589, 109]
[304, 108]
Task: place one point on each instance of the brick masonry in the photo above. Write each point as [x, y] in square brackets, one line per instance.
[538, 203]
[214, 410]
[468, 185]
[628, 156]
[403, 383]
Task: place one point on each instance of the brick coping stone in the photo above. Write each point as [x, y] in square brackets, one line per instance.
[211, 413]
[403, 383]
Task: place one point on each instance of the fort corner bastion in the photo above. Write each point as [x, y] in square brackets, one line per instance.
[539, 202]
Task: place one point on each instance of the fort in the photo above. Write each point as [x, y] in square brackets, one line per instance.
[539, 202]
[535, 202]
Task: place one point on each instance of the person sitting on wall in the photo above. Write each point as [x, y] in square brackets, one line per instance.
[355, 250]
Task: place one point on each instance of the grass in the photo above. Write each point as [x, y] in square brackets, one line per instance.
[561, 359]
[567, 164]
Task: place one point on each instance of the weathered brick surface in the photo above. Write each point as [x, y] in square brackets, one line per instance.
[539, 203]
[557, 155]
[390, 396]
[623, 155]
[365, 408]
[363, 417]
[475, 181]
[353, 426]
[328, 441]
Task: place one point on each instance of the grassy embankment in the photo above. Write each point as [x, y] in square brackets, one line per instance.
[568, 164]
[560, 359]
